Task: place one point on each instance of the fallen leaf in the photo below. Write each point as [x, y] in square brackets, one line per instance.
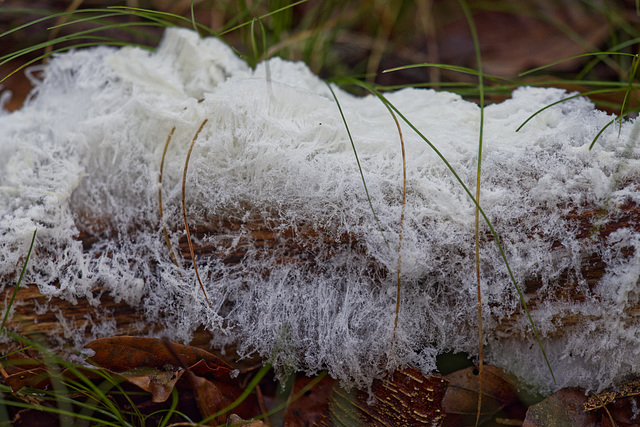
[126, 352]
[499, 397]
[234, 419]
[563, 408]
[208, 376]
[37, 378]
[210, 399]
[211, 371]
[159, 383]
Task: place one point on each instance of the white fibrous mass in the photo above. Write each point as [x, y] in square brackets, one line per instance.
[295, 264]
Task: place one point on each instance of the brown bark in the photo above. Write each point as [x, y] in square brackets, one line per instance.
[36, 314]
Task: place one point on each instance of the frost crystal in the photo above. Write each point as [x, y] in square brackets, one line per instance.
[293, 261]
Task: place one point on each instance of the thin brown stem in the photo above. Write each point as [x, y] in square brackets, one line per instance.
[184, 210]
[75, 4]
[164, 228]
[404, 200]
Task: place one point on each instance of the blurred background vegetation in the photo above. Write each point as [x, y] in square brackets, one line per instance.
[361, 38]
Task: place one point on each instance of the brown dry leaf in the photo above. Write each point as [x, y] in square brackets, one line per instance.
[499, 397]
[210, 399]
[143, 362]
[406, 398]
[234, 419]
[563, 408]
[37, 378]
[126, 352]
[159, 383]
[213, 393]
[312, 405]
[211, 371]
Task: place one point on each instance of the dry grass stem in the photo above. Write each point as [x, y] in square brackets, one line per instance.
[184, 211]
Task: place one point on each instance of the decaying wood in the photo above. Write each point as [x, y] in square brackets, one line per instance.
[406, 398]
[38, 314]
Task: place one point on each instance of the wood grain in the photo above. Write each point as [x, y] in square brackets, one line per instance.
[36, 314]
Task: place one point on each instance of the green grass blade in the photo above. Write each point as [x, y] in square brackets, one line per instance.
[476, 45]
[159, 16]
[475, 202]
[244, 24]
[83, 382]
[102, 42]
[582, 55]
[71, 414]
[48, 16]
[171, 411]
[632, 75]
[193, 18]
[245, 393]
[80, 35]
[589, 66]
[593, 142]
[593, 92]
[15, 291]
[355, 152]
[457, 68]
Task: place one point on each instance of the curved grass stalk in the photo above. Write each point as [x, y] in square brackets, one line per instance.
[404, 202]
[48, 16]
[106, 41]
[582, 55]
[476, 44]
[257, 56]
[164, 228]
[457, 68]
[245, 393]
[593, 92]
[76, 36]
[173, 410]
[589, 66]
[262, 16]
[634, 69]
[355, 152]
[156, 15]
[593, 142]
[193, 18]
[475, 202]
[184, 211]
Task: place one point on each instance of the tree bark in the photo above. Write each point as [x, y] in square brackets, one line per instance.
[34, 314]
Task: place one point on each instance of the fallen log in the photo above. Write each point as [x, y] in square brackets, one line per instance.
[299, 243]
[37, 315]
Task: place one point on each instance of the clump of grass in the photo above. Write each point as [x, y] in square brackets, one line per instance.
[74, 397]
